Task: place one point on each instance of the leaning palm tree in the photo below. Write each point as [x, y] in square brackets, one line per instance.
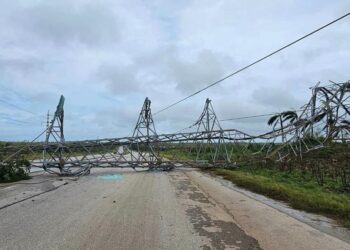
[281, 118]
[290, 116]
[275, 120]
[293, 119]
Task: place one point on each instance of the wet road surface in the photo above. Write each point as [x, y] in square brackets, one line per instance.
[122, 209]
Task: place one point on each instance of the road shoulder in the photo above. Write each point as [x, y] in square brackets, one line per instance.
[272, 228]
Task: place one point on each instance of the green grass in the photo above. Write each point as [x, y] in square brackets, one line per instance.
[176, 154]
[300, 192]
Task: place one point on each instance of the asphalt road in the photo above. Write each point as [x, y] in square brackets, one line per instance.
[181, 209]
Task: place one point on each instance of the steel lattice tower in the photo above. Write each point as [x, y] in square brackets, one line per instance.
[214, 149]
[55, 134]
[145, 150]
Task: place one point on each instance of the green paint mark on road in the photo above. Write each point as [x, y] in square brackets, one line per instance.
[112, 177]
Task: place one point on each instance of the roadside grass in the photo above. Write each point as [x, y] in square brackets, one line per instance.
[299, 190]
[177, 154]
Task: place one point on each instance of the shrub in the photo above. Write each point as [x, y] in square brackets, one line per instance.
[14, 170]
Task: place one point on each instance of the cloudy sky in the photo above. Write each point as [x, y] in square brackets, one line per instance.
[105, 57]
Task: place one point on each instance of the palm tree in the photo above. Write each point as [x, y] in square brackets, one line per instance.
[290, 116]
[274, 120]
[280, 118]
[293, 119]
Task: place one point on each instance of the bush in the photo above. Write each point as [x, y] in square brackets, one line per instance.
[14, 170]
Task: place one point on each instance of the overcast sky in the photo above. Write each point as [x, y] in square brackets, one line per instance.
[105, 57]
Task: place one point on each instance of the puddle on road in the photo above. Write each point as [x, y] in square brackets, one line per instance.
[110, 177]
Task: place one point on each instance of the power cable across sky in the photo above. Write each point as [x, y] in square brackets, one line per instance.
[253, 63]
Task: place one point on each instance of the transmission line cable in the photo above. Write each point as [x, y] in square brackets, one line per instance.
[262, 115]
[9, 119]
[253, 63]
[15, 106]
[19, 108]
[254, 116]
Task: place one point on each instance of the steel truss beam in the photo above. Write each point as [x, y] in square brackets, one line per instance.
[323, 119]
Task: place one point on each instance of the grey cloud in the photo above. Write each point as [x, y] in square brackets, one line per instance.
[142, 72]
[159, 69]
[22, 65]
[191, 76]
[126, 50]
[275, 97]
[120, 80]
[63, 22]
[121, 120]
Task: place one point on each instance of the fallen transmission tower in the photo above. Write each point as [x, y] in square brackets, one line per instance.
[324, 119]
